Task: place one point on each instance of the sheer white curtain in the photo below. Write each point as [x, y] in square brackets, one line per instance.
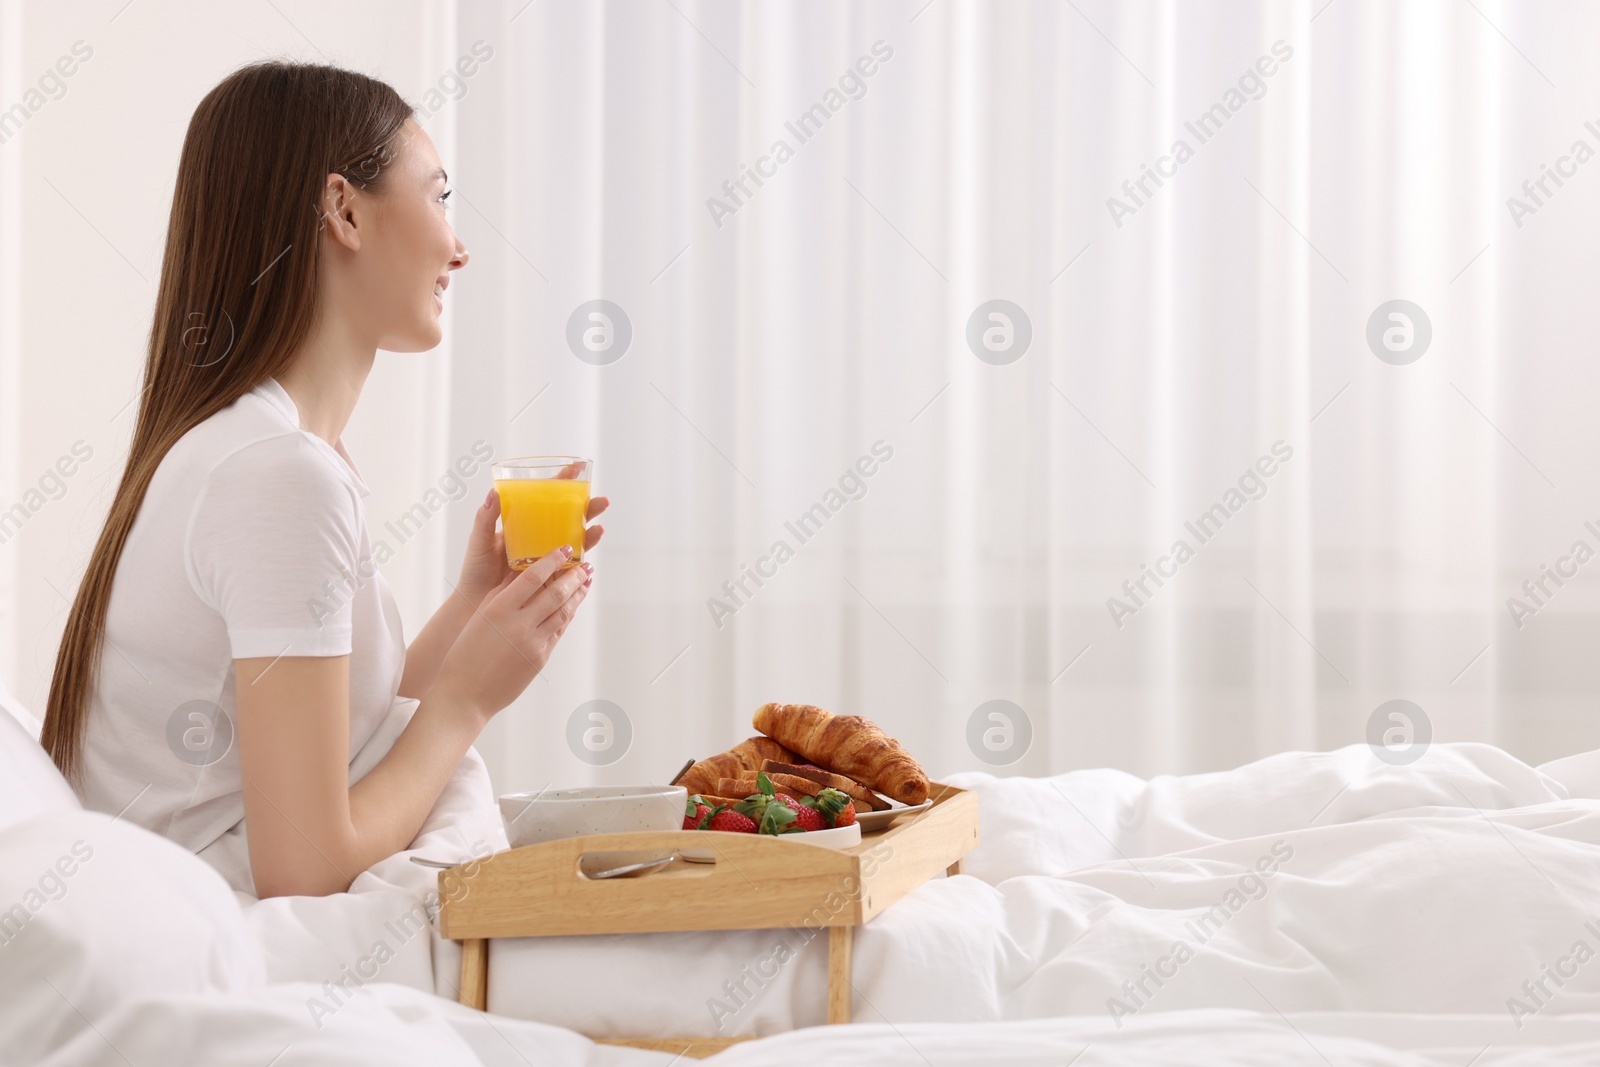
[1357, 154]
[1175, 337]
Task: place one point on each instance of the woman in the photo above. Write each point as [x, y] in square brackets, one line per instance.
[232, 588]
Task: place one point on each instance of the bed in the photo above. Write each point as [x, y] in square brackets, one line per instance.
[1310, 907]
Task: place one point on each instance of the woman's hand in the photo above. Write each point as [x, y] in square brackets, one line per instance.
[485, 566]
[482, 572]
[508, 640]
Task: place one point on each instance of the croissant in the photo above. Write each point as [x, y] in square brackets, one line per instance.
[740, 761]
[847, 745]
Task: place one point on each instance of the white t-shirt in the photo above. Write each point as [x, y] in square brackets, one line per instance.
[252, 541]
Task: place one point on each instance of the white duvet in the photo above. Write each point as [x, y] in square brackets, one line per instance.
[1304, 882]
[1305, 907]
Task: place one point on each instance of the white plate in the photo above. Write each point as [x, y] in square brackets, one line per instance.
[872, 821]
[837, 837]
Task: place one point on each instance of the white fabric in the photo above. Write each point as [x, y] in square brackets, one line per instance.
[29, 781]
[1079, 882]
[1438, 887]
[97, 911]
[808, 325]
[387, 1026]
[251, 542]
[1298, 883]
[390, 1026]
[392, 904]
[155, 921]
[1170, 349]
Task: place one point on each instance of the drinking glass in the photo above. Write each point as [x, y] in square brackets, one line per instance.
[543, 503]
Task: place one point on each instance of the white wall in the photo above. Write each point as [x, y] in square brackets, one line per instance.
[10, 331]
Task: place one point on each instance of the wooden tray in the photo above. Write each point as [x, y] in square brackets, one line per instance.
[759, 882]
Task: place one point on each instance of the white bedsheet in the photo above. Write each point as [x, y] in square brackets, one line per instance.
[382, 930]
[1436, 888]
[394, 1026]
[1409, 911]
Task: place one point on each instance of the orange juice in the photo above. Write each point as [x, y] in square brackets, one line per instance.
[540, 515]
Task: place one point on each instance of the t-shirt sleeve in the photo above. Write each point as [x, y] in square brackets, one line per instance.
[273, 545]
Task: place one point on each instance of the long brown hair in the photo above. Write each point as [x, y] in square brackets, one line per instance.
[237, 295]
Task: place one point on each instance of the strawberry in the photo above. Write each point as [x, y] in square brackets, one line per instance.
[731, 822]
[806, 815]
[771, 811]
[778, 819]
[808, 818]
[698, 815]
[695, 812]
[836, 807]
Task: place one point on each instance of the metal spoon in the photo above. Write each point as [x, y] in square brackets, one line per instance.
[683, 770]
[611, 872]
[631, 869]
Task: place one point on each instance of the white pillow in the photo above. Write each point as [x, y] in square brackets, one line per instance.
[95, 912]
[29, 782]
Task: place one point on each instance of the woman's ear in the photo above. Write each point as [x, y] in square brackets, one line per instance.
[336, 215]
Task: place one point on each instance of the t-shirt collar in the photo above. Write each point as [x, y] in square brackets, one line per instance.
[273, 392]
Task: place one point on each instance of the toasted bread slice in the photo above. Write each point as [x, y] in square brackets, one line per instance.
[864, 797]
[795, 785]
[737, 787]
[727, 802]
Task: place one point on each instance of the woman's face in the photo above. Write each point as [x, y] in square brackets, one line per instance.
[408, 250]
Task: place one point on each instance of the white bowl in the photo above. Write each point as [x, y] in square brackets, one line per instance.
[549, 814]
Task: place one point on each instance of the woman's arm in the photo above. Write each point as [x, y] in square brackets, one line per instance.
[310, 832]
[431, 645]
[482, 571]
